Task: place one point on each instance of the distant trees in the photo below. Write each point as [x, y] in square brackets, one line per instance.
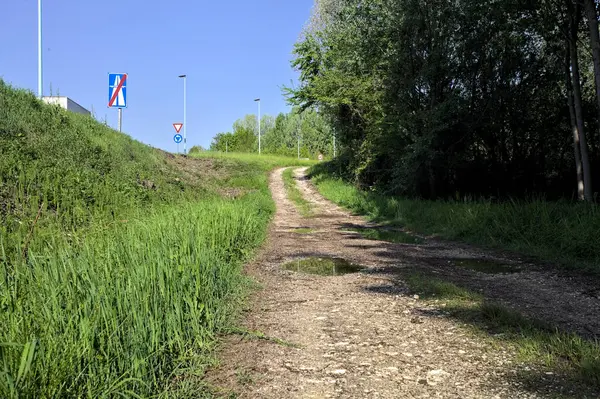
[196, 149]
[280, 135]
[458, 97]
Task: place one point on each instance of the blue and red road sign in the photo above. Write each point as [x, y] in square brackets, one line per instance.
[117, 90]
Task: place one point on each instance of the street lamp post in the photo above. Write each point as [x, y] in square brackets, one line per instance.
[299, 132]
[258, 100]
[334, 152]
[40, 85]
[184, 113]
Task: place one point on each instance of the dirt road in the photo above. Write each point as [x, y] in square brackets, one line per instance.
[363, 335]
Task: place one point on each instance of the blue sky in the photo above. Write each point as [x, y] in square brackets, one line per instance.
[232, 51]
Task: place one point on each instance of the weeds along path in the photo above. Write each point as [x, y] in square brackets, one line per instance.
[358, 335]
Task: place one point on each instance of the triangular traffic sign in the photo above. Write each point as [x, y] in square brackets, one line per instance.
[177, 126]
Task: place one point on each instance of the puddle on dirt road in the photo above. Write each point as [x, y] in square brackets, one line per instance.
[395, 236]
[487, 266]
[323, 266]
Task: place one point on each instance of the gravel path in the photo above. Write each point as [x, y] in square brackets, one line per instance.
[362, 335]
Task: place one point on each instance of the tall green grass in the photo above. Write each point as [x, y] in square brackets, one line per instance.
[561, 232]
[117, 269]
[129, 307]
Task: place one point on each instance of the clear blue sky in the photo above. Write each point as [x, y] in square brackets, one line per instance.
[232, 51]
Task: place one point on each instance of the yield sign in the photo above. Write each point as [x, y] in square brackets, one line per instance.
[177, 126]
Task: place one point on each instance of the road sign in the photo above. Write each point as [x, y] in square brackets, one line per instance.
[178, 138]
[177, 126]
[117, 90]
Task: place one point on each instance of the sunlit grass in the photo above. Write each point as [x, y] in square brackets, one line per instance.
[383, 234]
[294, 194]
[266, 160]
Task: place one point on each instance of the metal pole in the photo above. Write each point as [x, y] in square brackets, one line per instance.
[259, 127]
[334, 154]
[40, 83]
[185, 115]
[226, 149]
[120, 118]
[299, 130]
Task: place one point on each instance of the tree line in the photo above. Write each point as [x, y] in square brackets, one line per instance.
[304, 134]
[447, 98]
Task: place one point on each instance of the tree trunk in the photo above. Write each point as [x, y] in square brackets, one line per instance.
[569, 86]
[592, 16]
[576, 81]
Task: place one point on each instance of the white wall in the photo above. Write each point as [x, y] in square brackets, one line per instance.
[66, 103]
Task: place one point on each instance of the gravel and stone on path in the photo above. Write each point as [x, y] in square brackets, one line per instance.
[359, 335]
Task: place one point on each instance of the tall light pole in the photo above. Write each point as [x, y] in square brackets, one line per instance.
[299, 132]
[258, 100]
[184, 113]
[334, 153]
[40, 85]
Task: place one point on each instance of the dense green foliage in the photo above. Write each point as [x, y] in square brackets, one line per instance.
[284, 135]
[119, 263]
[443, 97]
[553, 231]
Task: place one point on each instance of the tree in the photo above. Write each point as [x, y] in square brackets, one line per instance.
[574, 14]
[438, 98]
[592, 17]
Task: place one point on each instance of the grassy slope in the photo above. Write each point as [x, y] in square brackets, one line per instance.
[558, 232]
[118, 263]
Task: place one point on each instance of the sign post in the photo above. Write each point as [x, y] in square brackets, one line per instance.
[117, 94]
[178, 138]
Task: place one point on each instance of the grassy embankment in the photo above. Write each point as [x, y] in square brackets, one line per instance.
[560, 232]
[119, 263]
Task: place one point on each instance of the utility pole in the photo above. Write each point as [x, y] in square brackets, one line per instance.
[258, 100]
[40, 76]
[334, 154]
[184, 113]
[299, 131]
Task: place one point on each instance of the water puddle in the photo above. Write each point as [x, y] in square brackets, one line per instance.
[395, 236]
[487, 266]
[323, 266]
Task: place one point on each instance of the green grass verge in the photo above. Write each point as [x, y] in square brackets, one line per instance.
[575, 359]
[265, 161]
[303, 230]
[294, 194]
[560, 232]
[119, 263]
[382, 234]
